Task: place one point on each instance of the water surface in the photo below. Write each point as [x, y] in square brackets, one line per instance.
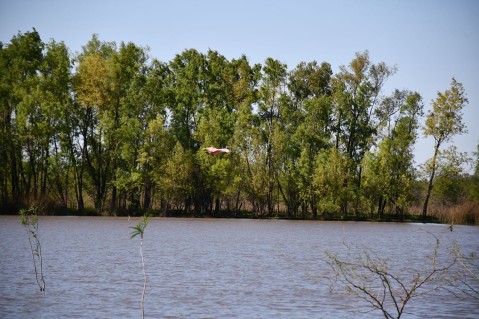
[211, 268]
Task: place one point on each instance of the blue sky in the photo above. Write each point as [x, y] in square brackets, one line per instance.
[430, 41]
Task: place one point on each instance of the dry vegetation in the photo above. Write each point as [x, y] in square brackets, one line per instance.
[464, 213]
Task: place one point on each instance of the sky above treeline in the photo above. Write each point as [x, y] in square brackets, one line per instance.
[429, 41]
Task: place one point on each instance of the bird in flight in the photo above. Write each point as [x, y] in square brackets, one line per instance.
[214, 150]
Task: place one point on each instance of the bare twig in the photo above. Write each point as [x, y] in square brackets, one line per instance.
[464, 281]
[368, 278]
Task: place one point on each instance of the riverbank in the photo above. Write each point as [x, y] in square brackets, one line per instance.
[468, 215]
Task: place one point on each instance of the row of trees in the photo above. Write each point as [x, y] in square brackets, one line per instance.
[113, 129]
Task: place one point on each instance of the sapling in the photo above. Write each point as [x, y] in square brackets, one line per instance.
[29, 219]
[139, 229]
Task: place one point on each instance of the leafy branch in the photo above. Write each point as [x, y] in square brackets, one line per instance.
[29, 219]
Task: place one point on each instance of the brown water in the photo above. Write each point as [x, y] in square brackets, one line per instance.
[210, 268]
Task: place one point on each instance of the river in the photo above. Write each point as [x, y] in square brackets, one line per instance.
[213, 268]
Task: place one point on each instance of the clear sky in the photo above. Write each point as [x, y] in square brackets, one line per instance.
[430, 41]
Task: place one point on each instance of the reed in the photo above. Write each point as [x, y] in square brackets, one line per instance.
[466, 213]
[139, 230]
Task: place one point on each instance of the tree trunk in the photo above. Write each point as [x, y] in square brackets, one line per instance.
[113, 201]
[217, 206]
[381, 207]
[15, 179]
[44, 175]
[358, 193]
[147, 196]
[314, 207]
[431, 181]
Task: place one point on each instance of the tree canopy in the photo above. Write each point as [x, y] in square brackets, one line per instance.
[117, 131]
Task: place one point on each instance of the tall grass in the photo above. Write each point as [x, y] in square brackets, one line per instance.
[466, 213]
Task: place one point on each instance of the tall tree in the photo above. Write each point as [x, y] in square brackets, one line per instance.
[244, 155]
[157, 140]
[310, 91]
[215, 128]
[188, 81]
[358, 112]
[389, 172]
[155, 152]
[93, 91]
[124, 121]
[57, 105]
[19, 83]
[443, 121]
[272, 91]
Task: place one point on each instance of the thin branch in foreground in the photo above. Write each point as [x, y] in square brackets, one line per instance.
[139, 230]
[29, 219]
[367, 277]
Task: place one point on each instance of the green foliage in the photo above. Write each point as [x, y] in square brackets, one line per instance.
[176, 177]
[451, 188]
[476, 166]
[113, 130]
[389, 171]
[29, 218]
[442, 123]
[331, 177]
[358, 114]
[445, 118]
[139, 229]
[474, 179]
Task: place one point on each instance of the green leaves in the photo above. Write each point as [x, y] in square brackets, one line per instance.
[29, 217]
[445, 118]
[139, 229]
[332, 180]
[128, 131]
[388, 171]
[442, 123]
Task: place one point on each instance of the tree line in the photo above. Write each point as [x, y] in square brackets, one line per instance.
[114, 130]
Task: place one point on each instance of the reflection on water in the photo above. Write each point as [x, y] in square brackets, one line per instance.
[209, 268]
